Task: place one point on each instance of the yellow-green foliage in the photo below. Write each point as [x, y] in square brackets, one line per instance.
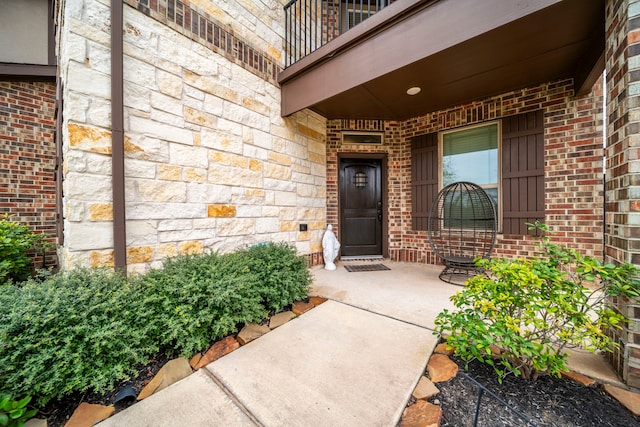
[531, 310]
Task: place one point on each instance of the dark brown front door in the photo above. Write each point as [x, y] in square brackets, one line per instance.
[360, 207]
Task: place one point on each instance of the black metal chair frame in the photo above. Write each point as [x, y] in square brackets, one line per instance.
[462, 227]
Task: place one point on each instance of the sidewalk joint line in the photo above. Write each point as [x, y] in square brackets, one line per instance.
[383, 315]
[236, 401]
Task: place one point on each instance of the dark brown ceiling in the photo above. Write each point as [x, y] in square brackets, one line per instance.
[457, 51]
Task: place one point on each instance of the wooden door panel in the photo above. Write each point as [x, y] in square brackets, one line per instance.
[361, 207]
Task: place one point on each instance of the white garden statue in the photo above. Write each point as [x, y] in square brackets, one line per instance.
[330, 248]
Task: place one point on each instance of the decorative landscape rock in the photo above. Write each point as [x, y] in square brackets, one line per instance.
[628, 399]
[217, 350]
[250, 332]
[579, 378]
[195, 359]
[425, 389]
[88, 414]
[172, 372]
[316, 301]
[280, 319]
[421, 414]
[443, 348]
[441, 368]
[300, 307]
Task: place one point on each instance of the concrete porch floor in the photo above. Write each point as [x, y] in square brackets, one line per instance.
[413, 293]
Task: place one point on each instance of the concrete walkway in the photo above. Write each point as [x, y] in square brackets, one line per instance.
[351, 361]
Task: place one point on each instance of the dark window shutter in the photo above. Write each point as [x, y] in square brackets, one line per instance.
[424, 177]
[522, 171]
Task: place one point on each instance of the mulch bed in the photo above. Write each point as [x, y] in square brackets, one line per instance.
[548, 401]
[58, 412]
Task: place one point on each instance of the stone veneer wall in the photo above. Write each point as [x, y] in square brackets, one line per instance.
[210, 164]
[622, 237]
[27, 158]
[573, 166]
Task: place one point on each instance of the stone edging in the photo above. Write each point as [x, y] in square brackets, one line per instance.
[86, 414]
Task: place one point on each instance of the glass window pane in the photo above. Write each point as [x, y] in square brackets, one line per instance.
[471, 155]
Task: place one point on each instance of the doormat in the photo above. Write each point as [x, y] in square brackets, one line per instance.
[366, 267]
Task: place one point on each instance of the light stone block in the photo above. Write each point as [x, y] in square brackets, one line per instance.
[195, 95]
[249, 211]
[280, 185]
[304, 190]
[228, 126]
[235, 226]
[211, 86]
[146, 148]
[169, 172]
[87, 187]
[138, 210]
[74, 210]
[213, 104]
[275, 171]
[142, 233]
[288, 214]
[251, 151]
[208, 193]
[225, 175]
[181, 235]
[204, 223]
[160, 130]
[222, 141]
[167, 118]
[270, 211]
[99, 113]
[286, 198]
[139, 169]
[166, 103]
[88, 236]
[89, 32]
[267, 225]
[175, 224]
[86, 81]
[161, 191]
[99, 57]
[195, 175]
[75, 109]
[169, 84]
[187, 155]
[140, 73]
[200, 118]
[262, 139]
[138, 97]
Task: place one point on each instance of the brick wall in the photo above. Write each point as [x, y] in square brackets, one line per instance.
[27, 157]
[623, 163]
[573, 166]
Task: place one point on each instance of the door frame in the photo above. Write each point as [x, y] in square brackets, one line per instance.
[383, 188]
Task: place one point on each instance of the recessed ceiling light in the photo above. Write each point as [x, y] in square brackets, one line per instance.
[413, 90]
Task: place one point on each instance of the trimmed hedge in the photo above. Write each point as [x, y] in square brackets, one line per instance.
[86, 329]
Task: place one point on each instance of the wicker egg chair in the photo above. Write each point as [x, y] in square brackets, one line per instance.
[462, 227]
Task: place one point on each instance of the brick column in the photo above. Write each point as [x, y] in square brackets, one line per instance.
[622, 235]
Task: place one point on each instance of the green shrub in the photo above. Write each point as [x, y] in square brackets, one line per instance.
[531, 310]
[73, 331]
[200, 298]
[16, 240]
[283, 276]
[14, 413]
[86, 329]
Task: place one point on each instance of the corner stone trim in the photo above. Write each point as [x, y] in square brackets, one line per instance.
[203, 29]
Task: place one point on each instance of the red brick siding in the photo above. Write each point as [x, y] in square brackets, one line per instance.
[573, 166]
[27, 157]
[623, 180]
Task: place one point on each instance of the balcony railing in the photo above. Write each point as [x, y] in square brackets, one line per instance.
[310, 24]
